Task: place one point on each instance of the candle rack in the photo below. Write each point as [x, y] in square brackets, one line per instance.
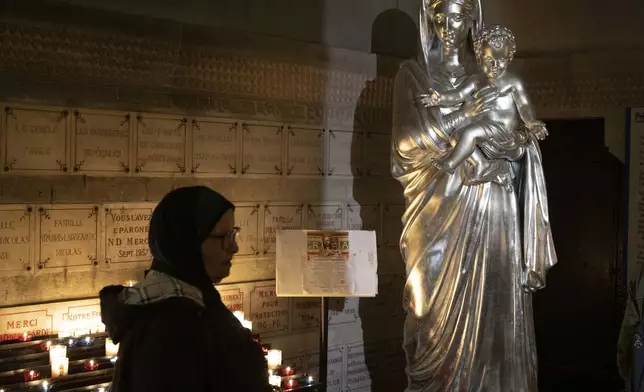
[26, 366]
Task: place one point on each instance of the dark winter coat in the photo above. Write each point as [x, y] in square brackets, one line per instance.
[175, 334]
[172, 342]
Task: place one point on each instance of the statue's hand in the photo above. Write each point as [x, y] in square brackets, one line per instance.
[431, 99]
[480, 102]
[538, 129]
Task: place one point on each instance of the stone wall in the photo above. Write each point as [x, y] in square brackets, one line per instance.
[83, 65]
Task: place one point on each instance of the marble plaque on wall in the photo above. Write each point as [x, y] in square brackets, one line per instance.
[35, 322]
[269, 313]
[247, 218]
[101, 142]
[68, 236]
[161, 145]
[36, 140]
[16, 245]
[357, 372]
[335, 367]
[392, 214]
[306, 313]
[376, 153]
[324, 217]
[343, 310]
[126, 233]
[232, 297]
[214, 147]
[262, 149]
[345, 153]
[305, 154]
[280, 217]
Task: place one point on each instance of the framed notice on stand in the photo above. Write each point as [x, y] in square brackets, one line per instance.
[311, 263]
[333, 263]
[635, 215]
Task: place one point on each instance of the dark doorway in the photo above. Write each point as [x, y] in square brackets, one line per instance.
[577, 316]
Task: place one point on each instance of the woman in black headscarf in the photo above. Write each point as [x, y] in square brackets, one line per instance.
[174, 331]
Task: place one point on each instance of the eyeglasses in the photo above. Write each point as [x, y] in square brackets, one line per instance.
[229, 240]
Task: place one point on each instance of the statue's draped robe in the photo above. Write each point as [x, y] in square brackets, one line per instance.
[473, 255]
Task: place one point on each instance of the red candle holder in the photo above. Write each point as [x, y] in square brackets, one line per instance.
[290, 384]
[257, 339]
[91, 365]
[46, 346]
[31, 375]
[286, 371]
[266, 348]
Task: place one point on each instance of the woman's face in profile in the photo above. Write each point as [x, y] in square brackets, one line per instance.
[218, 249]
[451, 23]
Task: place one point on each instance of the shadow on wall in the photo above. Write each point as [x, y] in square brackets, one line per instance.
[393, 38]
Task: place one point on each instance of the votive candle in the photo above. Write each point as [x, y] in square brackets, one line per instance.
[275, 380]
[111, 349]
[274, 359]
[59, 367]
[239, 315]
[57, 352]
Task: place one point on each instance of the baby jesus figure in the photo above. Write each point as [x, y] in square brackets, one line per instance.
[495, 132]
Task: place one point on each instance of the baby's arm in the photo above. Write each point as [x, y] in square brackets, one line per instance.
[526, 110]
[522, 100]
[447, 99]
[459, 94]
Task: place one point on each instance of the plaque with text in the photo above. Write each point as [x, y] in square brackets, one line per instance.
[392, 214]
[358, 375]
[247, 218]
[343, 310]
[324, 217]
[36, 140]
[83, 315]
[305, 152]
[377, 149]
[306, 313]
[635, 247]
[126, 233]
[16, 230]
[214, 147]
[345, 153]
[335, 367]
[101, 142]
[280, 217]
[161, 145]
[269, 313]
[35, 323]
[262, 149]
[233, 298]
[365, 217]
[68, 237]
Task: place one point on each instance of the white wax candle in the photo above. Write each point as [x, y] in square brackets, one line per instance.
[59, 367]
[274, 359]
[247, 324]
[111, 349]
[64, 333]
[275, 380]
[130, 283]
[57, 352]
[239, 315]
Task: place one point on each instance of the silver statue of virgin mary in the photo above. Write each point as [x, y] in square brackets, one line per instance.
[473, 253]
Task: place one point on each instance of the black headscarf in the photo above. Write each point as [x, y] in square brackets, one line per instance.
[180, 223]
